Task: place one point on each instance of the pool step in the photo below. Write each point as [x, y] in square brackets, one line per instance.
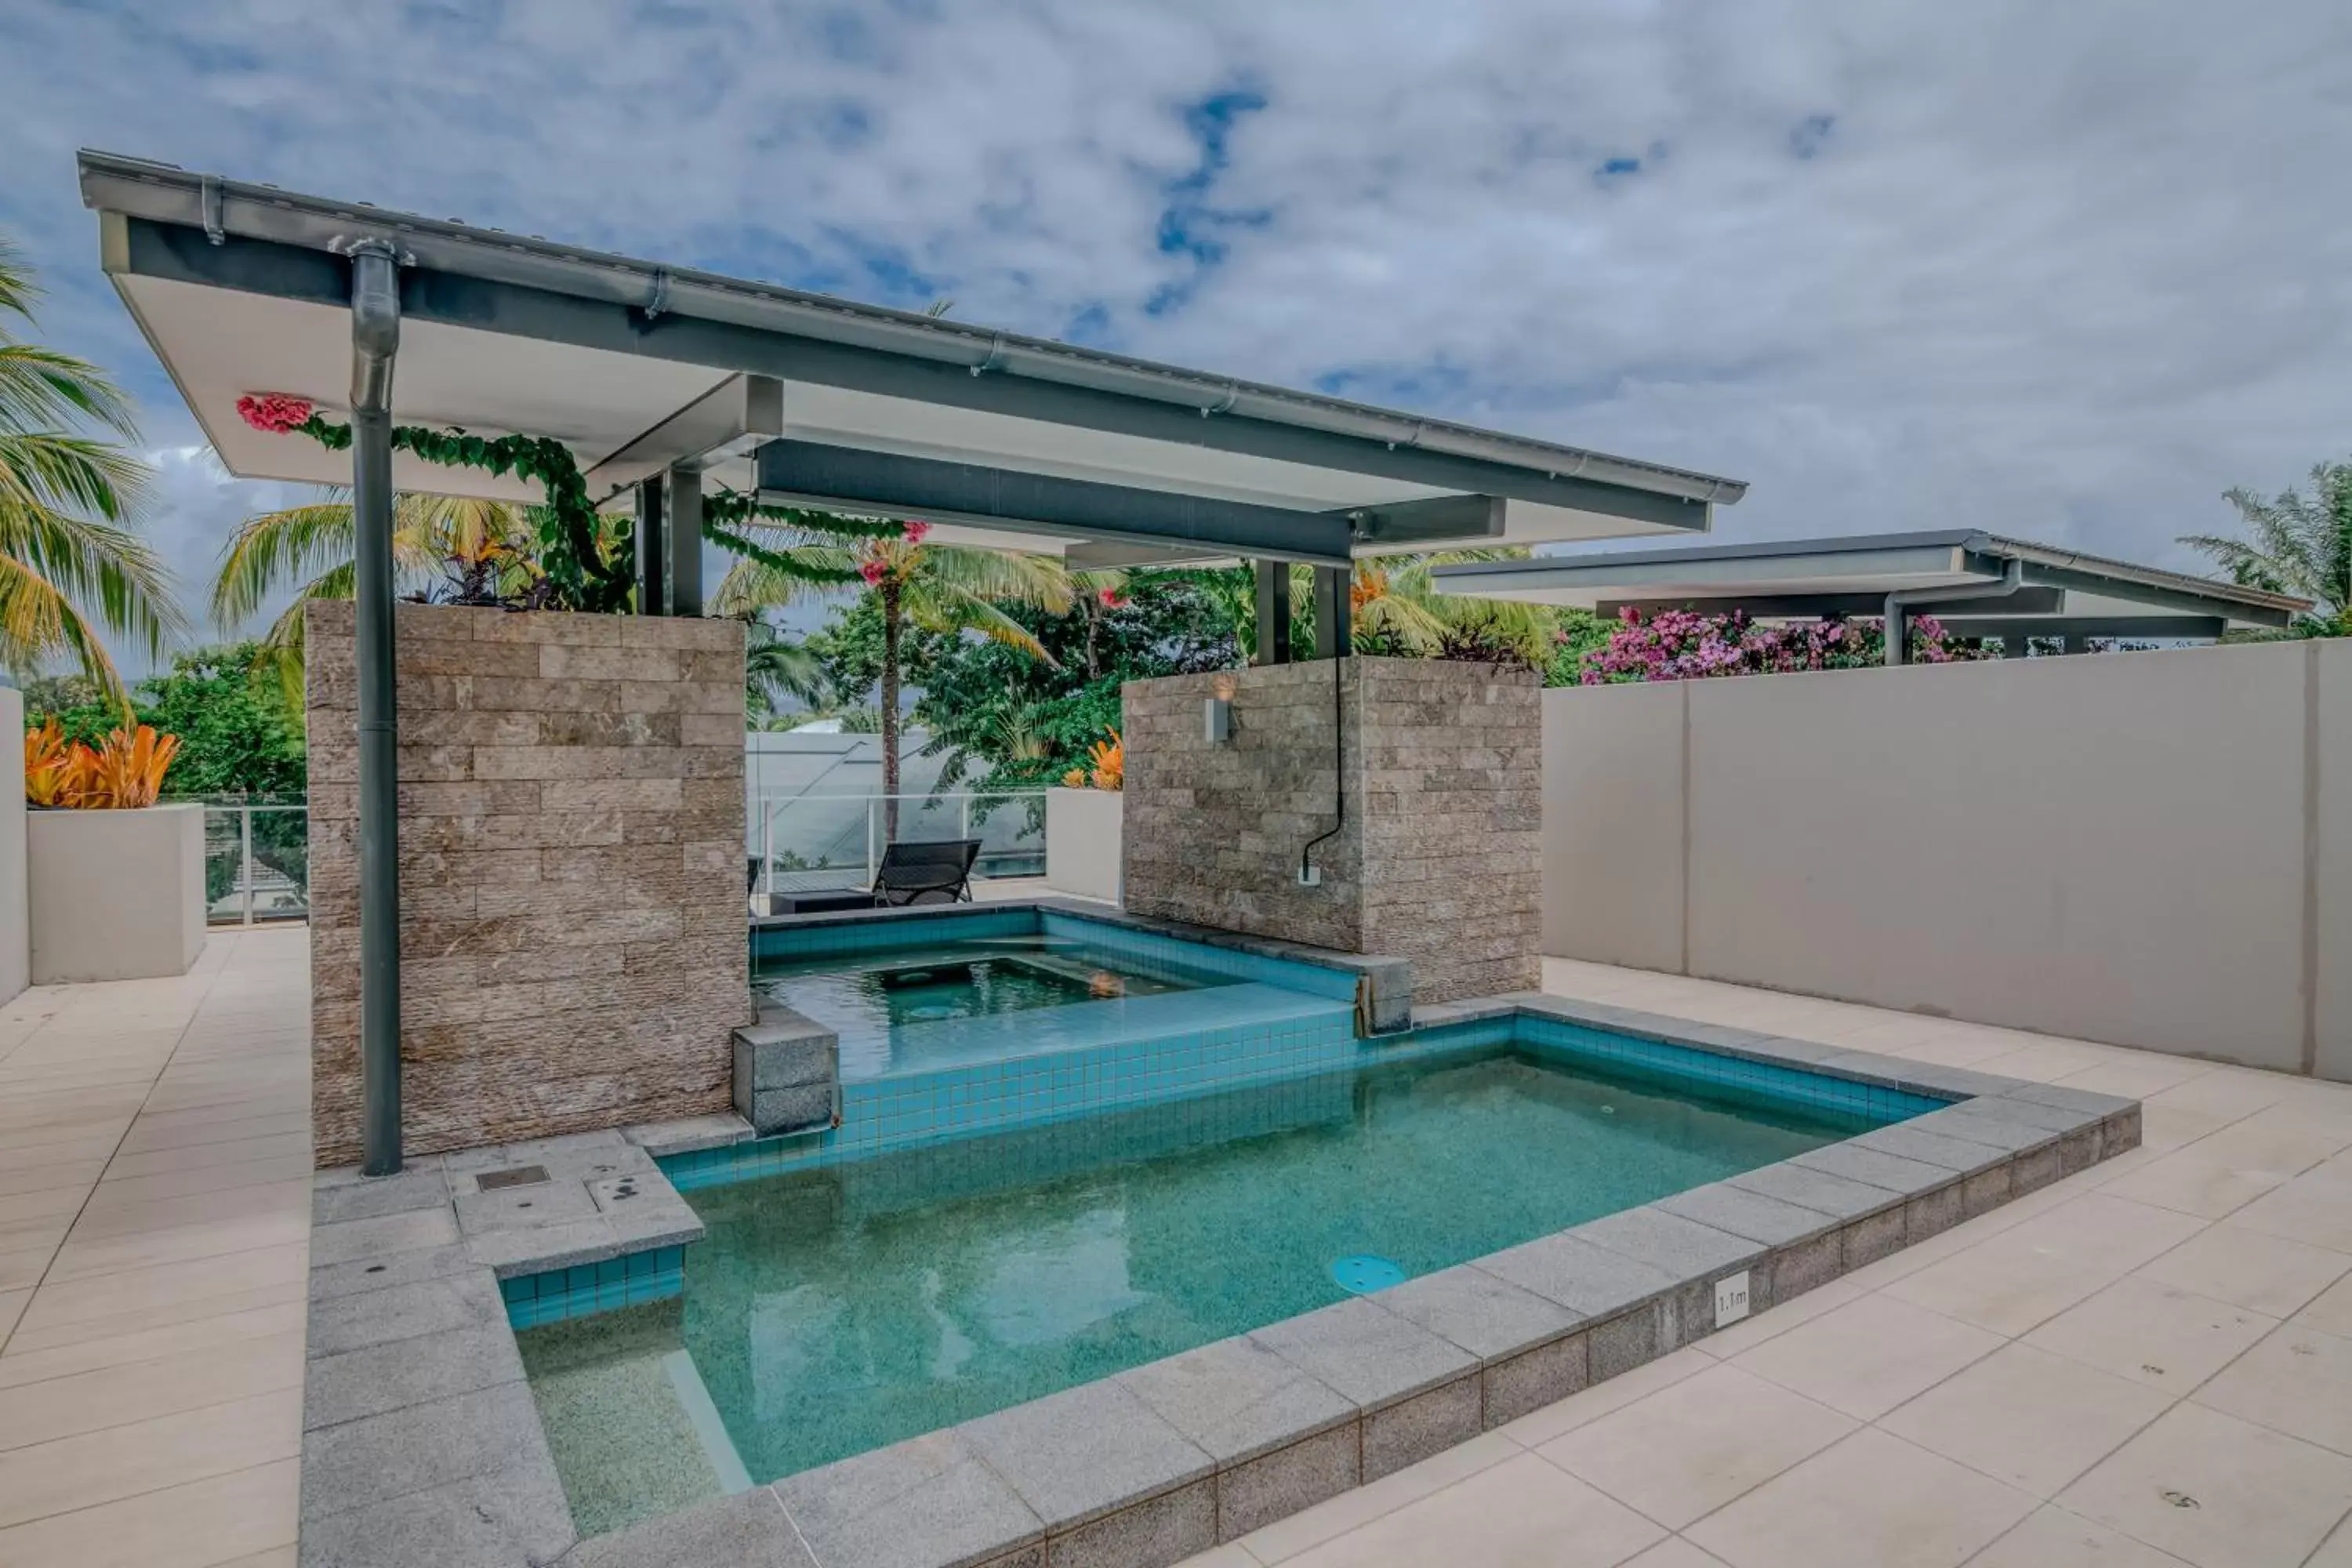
[787, 1073]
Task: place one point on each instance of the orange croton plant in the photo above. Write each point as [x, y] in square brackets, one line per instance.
[125, 774]
[1110, 766]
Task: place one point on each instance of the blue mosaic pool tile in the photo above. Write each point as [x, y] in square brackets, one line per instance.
[630, 1281]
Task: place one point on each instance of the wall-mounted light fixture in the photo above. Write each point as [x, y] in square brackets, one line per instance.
[1217, 720]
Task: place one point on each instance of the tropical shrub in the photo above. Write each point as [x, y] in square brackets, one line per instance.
[1684, 645]
[1106, 769]
[125, 774]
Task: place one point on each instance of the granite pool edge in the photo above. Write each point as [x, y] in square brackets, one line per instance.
[1155, 1463]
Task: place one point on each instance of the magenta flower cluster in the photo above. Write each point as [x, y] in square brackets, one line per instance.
[276, 412]
[1684, 645]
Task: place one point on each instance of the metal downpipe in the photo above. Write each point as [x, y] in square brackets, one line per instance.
[376, 340]
[2012, 578]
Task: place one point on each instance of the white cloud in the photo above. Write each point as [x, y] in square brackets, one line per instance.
[2068, 271]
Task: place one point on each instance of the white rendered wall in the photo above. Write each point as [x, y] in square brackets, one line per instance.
[2149, 848]
[1082, 842]
[115, 895]
[16, 922]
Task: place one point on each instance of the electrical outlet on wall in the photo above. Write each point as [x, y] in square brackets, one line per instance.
[1310, 876]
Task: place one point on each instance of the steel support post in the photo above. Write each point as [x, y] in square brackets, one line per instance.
[652, 549]
[1272, 612]
[1334, 609]
[685, 541]
[376, 340]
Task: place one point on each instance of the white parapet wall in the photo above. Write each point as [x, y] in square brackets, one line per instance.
[1083, 832]
[16, 923]
[2150, 848]
[115, 895]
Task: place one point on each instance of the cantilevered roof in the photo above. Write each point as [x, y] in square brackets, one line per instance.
[2059, 592]
[1014, 440]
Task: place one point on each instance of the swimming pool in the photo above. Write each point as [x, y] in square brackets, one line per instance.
[841, 1308]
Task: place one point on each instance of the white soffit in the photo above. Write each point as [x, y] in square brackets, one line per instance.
[490, 383]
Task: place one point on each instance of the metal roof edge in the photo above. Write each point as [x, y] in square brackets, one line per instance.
[165, 192]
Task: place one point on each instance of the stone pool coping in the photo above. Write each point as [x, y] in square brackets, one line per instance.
[1384, 983]
[423, 1441]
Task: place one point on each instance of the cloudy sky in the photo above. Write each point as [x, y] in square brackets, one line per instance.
[2062, 270]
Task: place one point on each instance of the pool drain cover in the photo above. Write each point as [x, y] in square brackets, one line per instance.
[1364, 1274]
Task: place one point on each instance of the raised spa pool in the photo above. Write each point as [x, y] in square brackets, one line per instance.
[845, 1306]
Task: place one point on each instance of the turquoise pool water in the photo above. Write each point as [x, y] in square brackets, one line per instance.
[837, 1310]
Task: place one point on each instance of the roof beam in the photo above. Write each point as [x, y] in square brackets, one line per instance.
[1775, 607]
[730, 420]
[145, 248]
[887, 484]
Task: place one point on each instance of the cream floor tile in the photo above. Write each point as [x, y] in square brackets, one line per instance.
[1775, 1322]
[2203, 1179]
[12, 1305]
[1521, 1513]
[81, 1260]
[1233, 1555]
[201, 1525]
[24, 1234]
[2331, 1311]
[205, 1156]
[2164, 1128]
[2269, 1274]
[2030, 1419]
[76, 1175]
[2226, 1092]
[117, 1395]
[22, 1267]
[107, 1216]
[1689, 1448]
[1675, 1553]
[1871, 1502]
[2047, 1063]
[143, 1310]
[2148, 1073]
[144, 1140]
[117, 1190]
[1539, 1426]
[2315, 1208]
[2154, 1334]
[2052, 1538]
[2297, 1381]
[1286, 1538]
[2217, 1491]
[2039, 1268]
[49, 1155]
[21, 1364]
[123, 1461]
[1868, 1356]
[2336, 1553]
[50, 1204]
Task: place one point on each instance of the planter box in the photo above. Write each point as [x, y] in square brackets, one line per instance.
[15, 945]
[115, 895]
[1083, 837]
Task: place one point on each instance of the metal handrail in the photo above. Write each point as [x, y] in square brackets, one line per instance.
[964, 799]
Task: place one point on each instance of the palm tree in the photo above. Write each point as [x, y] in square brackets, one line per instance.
[2300, 546]
[1397, 608]
[940, 588]
[68, 497]
[777, 671]
[313, 549]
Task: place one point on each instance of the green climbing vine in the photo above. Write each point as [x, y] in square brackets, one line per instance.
[585, 571]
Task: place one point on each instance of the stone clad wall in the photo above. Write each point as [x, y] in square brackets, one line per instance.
[572, 938]
[1439, 859]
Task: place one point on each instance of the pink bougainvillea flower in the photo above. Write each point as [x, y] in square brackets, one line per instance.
[872, 571]
[917, 532]
[276, 412]
[1111, 598]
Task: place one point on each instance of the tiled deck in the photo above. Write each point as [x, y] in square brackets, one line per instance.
[2157, 1354]
[154, 1231]
[2149, 1363]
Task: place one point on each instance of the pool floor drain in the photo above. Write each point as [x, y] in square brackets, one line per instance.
[1362, 1273]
